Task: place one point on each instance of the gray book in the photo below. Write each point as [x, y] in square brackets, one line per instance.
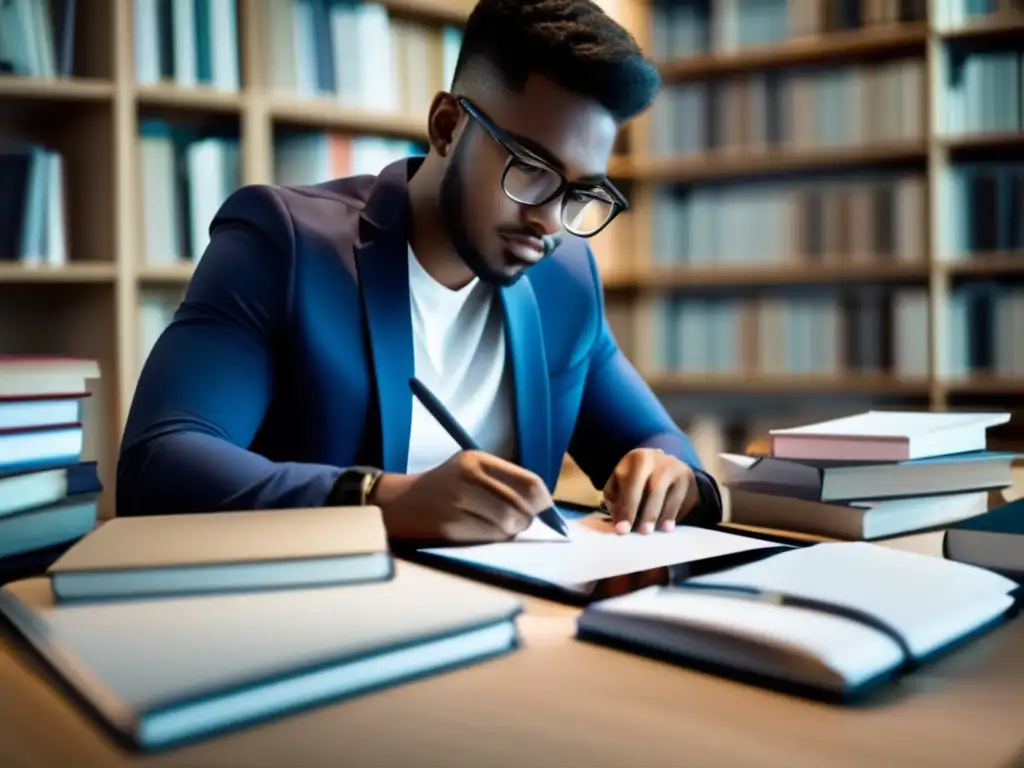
[131, 557]
[167, 671]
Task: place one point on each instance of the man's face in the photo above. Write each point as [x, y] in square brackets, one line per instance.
[497, 236]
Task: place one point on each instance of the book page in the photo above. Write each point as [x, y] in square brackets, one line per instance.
[595, 551]
[929, 600]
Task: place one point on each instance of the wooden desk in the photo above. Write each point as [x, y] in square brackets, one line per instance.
[565, 704]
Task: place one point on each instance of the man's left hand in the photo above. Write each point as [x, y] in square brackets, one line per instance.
[650, 490]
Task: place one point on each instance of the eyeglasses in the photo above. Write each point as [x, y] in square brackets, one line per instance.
[527, 179]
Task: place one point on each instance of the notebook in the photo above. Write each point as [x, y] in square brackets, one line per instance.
[886, 436]
[594, 561]
[870, 614]
[131, 557]
[164, 672]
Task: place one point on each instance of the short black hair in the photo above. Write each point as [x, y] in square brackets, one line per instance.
[572, 42]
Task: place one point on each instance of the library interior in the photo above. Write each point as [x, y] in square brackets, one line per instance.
[879, 142]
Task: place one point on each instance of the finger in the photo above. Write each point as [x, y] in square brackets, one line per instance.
[525, 483]
[631, 480]
[658, 485]
[682, 497]
[500, 505]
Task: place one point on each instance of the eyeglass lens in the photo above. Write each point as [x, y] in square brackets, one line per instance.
[583, 211]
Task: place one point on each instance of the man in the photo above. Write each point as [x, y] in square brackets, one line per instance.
[283, 379]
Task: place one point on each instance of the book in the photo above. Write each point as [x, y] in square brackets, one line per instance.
[165, 672]
[32, 490]
[994, 540]
[831, 620]
[132, 557]
[62, 522]
[853, 520]
[886, 436]
[826, 481]
[594, 561]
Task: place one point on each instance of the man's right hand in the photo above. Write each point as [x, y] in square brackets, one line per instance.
[472, 497]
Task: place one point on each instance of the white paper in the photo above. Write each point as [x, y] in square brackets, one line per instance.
[896, 424]
[595, 551]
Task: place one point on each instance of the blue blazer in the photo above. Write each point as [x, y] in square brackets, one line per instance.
[290, 356]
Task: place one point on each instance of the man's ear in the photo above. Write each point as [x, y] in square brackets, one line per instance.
[443, 123]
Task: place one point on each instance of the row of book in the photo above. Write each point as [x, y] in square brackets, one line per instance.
[186, 43]
[982, 209]
[796, 109]
[858, 330]
[33, 205]
[686, 28]
[357, 54]
[856, 219]
[829, 332]
[955, 14]
[186, 176]
[982, 91]
[37, 37]
[49, 489]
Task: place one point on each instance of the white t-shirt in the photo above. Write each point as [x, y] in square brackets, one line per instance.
[459, 346]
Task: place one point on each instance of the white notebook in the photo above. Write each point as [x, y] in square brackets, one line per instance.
[175, 669]
[131, 557]
[929, 603]
[886, 436]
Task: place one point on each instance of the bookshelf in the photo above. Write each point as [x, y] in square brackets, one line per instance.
[759, 153]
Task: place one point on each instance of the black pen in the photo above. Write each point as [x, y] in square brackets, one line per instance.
[549, 516]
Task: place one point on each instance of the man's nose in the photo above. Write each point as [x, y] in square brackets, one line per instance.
[545, 219]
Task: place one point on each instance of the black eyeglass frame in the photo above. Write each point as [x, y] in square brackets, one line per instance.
[517, 152]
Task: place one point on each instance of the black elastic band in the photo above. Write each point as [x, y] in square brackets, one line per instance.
[796, 601]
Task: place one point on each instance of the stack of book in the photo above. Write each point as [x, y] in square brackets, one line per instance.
[48, 494]
[871, 475]
[180, 627]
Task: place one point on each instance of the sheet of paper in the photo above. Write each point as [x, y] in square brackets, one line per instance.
[595, 551]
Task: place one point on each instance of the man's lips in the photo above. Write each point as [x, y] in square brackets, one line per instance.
[525, 248]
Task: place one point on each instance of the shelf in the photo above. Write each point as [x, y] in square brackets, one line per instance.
[834, 48]
[174, 274]
[438, 11]
[746, 275]
[725, 165]
[986, 385]
[982, 144]
[987, 265]
[996, 27]
[55, 89]
[171, 97]
[795, 384]
[324, 114]
[79, 272]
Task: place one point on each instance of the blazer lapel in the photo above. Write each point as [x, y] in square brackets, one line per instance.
[382, 263]
[525, 343]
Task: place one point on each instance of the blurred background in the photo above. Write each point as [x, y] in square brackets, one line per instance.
[828, 196]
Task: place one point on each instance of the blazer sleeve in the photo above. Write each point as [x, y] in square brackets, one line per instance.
[206, 385]
[619, 412]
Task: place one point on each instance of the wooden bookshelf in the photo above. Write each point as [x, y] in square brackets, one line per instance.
[91, 304]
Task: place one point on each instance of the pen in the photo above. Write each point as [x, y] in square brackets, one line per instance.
[549, 516]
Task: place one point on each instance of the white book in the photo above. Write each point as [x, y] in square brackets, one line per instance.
[834, 619]
[132, 557]
[173, 670]
[886, 436]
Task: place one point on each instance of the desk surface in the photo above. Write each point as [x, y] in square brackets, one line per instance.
[560, 703]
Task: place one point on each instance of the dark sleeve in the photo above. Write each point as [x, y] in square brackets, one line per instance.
[619, 412]
[205, 387]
